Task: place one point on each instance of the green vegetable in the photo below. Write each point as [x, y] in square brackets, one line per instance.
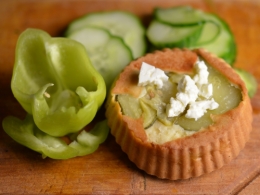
[111, 38]
[164, 35]
[28, 134]
[179, 15]
[223, 45]
[186, 27]
[249, 79]
[121, 24]
[55, 82]
[108, 54]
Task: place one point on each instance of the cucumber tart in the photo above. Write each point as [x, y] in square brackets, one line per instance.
[179, 147]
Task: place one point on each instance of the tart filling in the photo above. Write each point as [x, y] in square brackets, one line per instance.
[175, 105]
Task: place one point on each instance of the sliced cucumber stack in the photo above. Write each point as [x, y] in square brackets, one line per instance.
[119, 23]
[108, 53]
[223, 45]
[164, 35]
[179, 16]
[186, 27]
[112, 39]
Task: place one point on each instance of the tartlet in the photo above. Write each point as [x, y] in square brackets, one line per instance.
[191, 156]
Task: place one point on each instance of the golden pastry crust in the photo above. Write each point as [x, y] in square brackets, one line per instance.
[191, 156]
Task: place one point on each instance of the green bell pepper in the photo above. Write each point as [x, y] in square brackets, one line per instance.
[55, 82]
[28, 134]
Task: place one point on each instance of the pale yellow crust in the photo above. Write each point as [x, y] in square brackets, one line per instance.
[191, 156]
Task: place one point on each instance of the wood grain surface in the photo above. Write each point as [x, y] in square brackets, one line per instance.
[108, 170]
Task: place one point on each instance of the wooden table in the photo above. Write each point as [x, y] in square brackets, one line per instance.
[108, 170]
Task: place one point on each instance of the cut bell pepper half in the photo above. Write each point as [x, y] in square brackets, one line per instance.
[54, 81]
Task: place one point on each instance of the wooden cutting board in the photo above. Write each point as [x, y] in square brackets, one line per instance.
[108, 170]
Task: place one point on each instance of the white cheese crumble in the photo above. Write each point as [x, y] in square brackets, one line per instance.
[175, 108]
[201, 80]
[199, 108]
[189, 91]
[202, 73]
[151, 75]
[206, 90]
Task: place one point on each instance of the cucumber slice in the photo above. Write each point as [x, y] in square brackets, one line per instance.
[164, 119]
[149, 114]
[216, 36]
[119, 23]
[108, 54]
[136, 108]
[224, 45]
[192, 124]
[250, 81]
[179, 16]
[187, 16]
[164, 35]
[210, 32]
[130, 106]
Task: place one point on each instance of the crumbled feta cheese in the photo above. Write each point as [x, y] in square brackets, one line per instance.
[151, 75]
[188, 92]
[187, 86]
[184, 98]
[201, 80]
[202, 73]
[206, 90]
[175, 108]
[199, 108]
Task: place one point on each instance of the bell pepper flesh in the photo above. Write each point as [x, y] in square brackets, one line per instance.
[55, 82]
[28, 134]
